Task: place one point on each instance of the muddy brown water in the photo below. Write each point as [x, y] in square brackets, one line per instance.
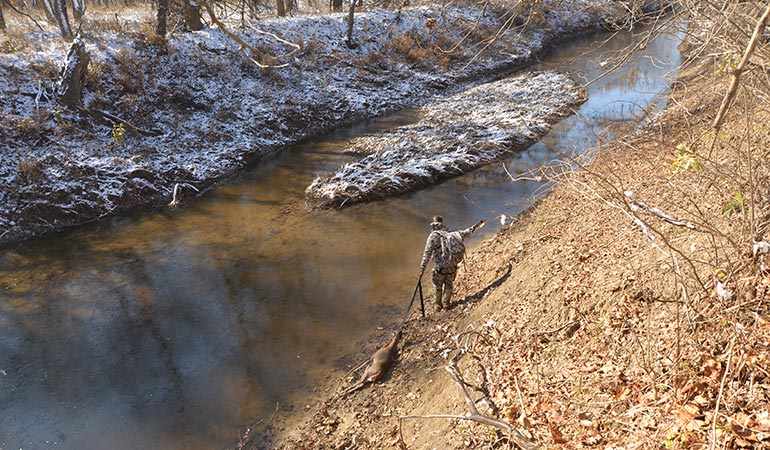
[176, 329]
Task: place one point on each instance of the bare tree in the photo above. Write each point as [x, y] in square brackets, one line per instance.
[78, 8]
[2, 20]
[192, 16]
[56, 10]
[280, 8]
[162, 16]
[351, 12]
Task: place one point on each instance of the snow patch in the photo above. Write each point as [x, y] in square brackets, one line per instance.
[456, 134]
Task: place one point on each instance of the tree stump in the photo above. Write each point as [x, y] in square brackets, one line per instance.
[73, 74]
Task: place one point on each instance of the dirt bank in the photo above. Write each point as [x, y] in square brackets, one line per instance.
[626, 310]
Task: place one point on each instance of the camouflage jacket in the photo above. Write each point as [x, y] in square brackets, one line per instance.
[444, 262]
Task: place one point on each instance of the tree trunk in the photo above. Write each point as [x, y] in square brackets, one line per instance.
[192, 16]
[2, 20]
[56, 11]
[161, 29]
[71, 82]
[78, 8]
[335, 5]
[49, 13]
[352, 10]
[280, 8]
[60, 8]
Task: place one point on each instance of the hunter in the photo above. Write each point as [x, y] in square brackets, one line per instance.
[448, 250]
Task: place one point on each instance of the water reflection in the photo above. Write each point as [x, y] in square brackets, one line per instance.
[175, 328]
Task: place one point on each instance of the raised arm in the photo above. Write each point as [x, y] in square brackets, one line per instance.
[469, 231]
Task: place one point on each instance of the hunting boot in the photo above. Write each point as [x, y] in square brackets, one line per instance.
[447, 297]
[439, 306]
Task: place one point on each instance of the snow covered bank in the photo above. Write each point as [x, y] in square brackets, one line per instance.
[213, 112]
[456, 135]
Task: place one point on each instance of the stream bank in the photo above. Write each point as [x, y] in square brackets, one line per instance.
[616, 313]
[514, 297]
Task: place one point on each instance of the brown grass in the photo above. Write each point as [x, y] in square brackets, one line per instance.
[30, 169]
[128, 70]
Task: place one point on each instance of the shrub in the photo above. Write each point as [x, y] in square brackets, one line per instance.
[128, 67]
[30, 169]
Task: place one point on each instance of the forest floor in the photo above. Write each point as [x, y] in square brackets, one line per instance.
[627, 309]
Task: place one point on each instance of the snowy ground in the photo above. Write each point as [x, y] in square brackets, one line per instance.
[456, 135]
[209, 111]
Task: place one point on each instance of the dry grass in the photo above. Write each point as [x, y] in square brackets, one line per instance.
[671, 348]
[29, 169]
[12, 43]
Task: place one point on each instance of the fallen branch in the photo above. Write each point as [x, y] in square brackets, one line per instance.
[514, 433]
[719, 396]
[177, 195]
[656, 212]
[112, 119]
[243, 44]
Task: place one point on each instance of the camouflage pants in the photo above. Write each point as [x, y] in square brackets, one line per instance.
[443, 281]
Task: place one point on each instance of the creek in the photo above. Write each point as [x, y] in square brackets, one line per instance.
[177, 328]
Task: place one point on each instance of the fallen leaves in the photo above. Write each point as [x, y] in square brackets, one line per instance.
[556, 433]
[750, 429]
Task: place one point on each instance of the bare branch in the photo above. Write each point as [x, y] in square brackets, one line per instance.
[272, 59]
[22, 13]
[736, 76]
[656, 212]
[518, 437]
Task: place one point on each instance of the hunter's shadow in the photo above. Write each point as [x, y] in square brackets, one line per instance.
[482, 293]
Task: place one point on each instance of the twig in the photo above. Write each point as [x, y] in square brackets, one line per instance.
[719, 395]
[522, 178]
[736, 76]
[657, 212]
[176, 197]
[10, 5]
[566, 325]
[470, 30]
[113, 119]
